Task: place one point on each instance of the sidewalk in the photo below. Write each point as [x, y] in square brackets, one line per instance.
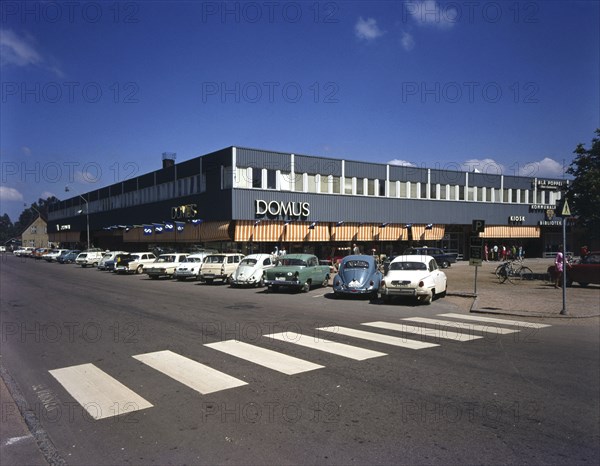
[528, 298]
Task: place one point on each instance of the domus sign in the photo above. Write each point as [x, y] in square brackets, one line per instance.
[281, 209]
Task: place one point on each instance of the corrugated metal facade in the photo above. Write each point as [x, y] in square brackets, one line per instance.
[263, 159]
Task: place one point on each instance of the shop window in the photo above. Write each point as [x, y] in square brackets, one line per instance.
[347, 185]
[434, 191]
[515, 196]
[256, 178]
[404, 189]
[243, 177]
[360, 186]
[226, 177]
[370, 187]
[312, 184]
[393, 191]
[423, 191]
[414, 190]
[285, 181]
[461, 193]
[271, 179]
[480, 194]
[335, 184]
[324, 188]
[444, 191]
[297, 182]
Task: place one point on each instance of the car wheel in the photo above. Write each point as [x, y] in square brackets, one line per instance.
[444, 293]
[95, 264]
[445, 264]
[153, 277]
[374, 295]
[208, 281]
[428, 298]
[140, 269]
[260, 283]
[273, 289]
[83, 266]
[387, 299]
[306, 287]
[326, 281]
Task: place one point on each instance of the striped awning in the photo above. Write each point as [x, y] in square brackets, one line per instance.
[352, 232]
[264, 231]
[511, 231]
[215, 231]
[421, 233]
[299, 231]
[390, 232]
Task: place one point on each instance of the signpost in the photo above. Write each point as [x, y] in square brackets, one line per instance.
[565, 213]
[475, 252]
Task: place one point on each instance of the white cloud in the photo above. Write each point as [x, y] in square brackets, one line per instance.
[19, 51]
[367, 29]
[10, 194]
[407, 41]
[431, 13]
[545, 167]
[26, 151]
[47, 194]
[402, 163]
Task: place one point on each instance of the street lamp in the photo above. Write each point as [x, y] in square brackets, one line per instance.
[87, 215]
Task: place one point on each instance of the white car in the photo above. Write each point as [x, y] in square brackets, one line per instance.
[251, 269]
[413, 276]
[219, 266]
[165, 265]
[134, 262]
[89, 257]
[108, 256]
[53, 255]
[190, 267]
[26, 251]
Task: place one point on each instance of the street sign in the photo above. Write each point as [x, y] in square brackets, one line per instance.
[476, 263]
[476, 241]
[566, 211]
[475, 252]
[478, 226]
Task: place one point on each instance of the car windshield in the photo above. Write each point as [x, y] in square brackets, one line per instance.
[408, 266]
[166, 259]
[249, 262]
[358, 264]
[293, 262]
[193, 259]
[214, 259]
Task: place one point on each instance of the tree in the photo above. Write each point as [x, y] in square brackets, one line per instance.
[584, 191]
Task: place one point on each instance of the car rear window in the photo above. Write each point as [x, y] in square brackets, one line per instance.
[294, 262]
[408, 266]
[358, 264]
[248, 262]
[214, 259]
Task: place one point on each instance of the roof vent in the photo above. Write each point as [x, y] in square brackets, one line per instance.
[168, 159]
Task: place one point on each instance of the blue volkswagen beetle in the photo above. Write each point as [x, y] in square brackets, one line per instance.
[357, 275]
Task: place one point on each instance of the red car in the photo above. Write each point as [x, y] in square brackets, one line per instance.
[585, 272]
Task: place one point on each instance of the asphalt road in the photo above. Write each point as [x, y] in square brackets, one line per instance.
[527, 397]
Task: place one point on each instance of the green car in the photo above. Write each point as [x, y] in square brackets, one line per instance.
[299, 271]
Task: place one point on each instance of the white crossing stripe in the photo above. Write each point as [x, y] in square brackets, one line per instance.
[378, 337]
[264, 357]
[466, 326]
[197, 376]
[517, 323]
[100, 395]
[424, 331]
[328, 346]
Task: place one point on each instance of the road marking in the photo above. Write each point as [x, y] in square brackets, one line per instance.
[197, 376]
[100, 395]
[14, 440]
[516, 323]
[465, 326]
[328, 346]
[264, 357]
[378, 337]
[424, 331]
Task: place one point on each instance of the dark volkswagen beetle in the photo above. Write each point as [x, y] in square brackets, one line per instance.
[357, 275]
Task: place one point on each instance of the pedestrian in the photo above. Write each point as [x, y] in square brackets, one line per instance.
[520, 251]
[583, 252]
[355, 249]
[558, 267]
[496, 252]
[283, 252]
[513, 252]
[504, 252]
[485, 252]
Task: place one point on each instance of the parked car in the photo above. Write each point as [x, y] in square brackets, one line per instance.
[2, 248]
[357, 275]
[53, 255]
[134, 262]
[251, 270]
[219, 266]
[68, 257]
[165, 265]
[415, 276]
[89, 257]
[190, 267]
[24, 251]
[106, 257]
[300, 271]
[39, 252]
[443, 258]
[584, 272]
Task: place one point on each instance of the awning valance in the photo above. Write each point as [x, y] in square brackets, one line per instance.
[421, 233]
[300, 231]
[391, 232]
[352, 232]
[264, 231]
[215, 231]
[511, 231]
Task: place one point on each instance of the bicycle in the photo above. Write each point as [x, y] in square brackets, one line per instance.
[508, 271]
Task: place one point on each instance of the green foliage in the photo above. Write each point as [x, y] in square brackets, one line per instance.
[9, 230]
[584, 190]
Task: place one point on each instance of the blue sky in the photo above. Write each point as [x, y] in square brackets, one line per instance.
[94, 92]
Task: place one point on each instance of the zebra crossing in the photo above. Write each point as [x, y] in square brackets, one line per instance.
[102, 396]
